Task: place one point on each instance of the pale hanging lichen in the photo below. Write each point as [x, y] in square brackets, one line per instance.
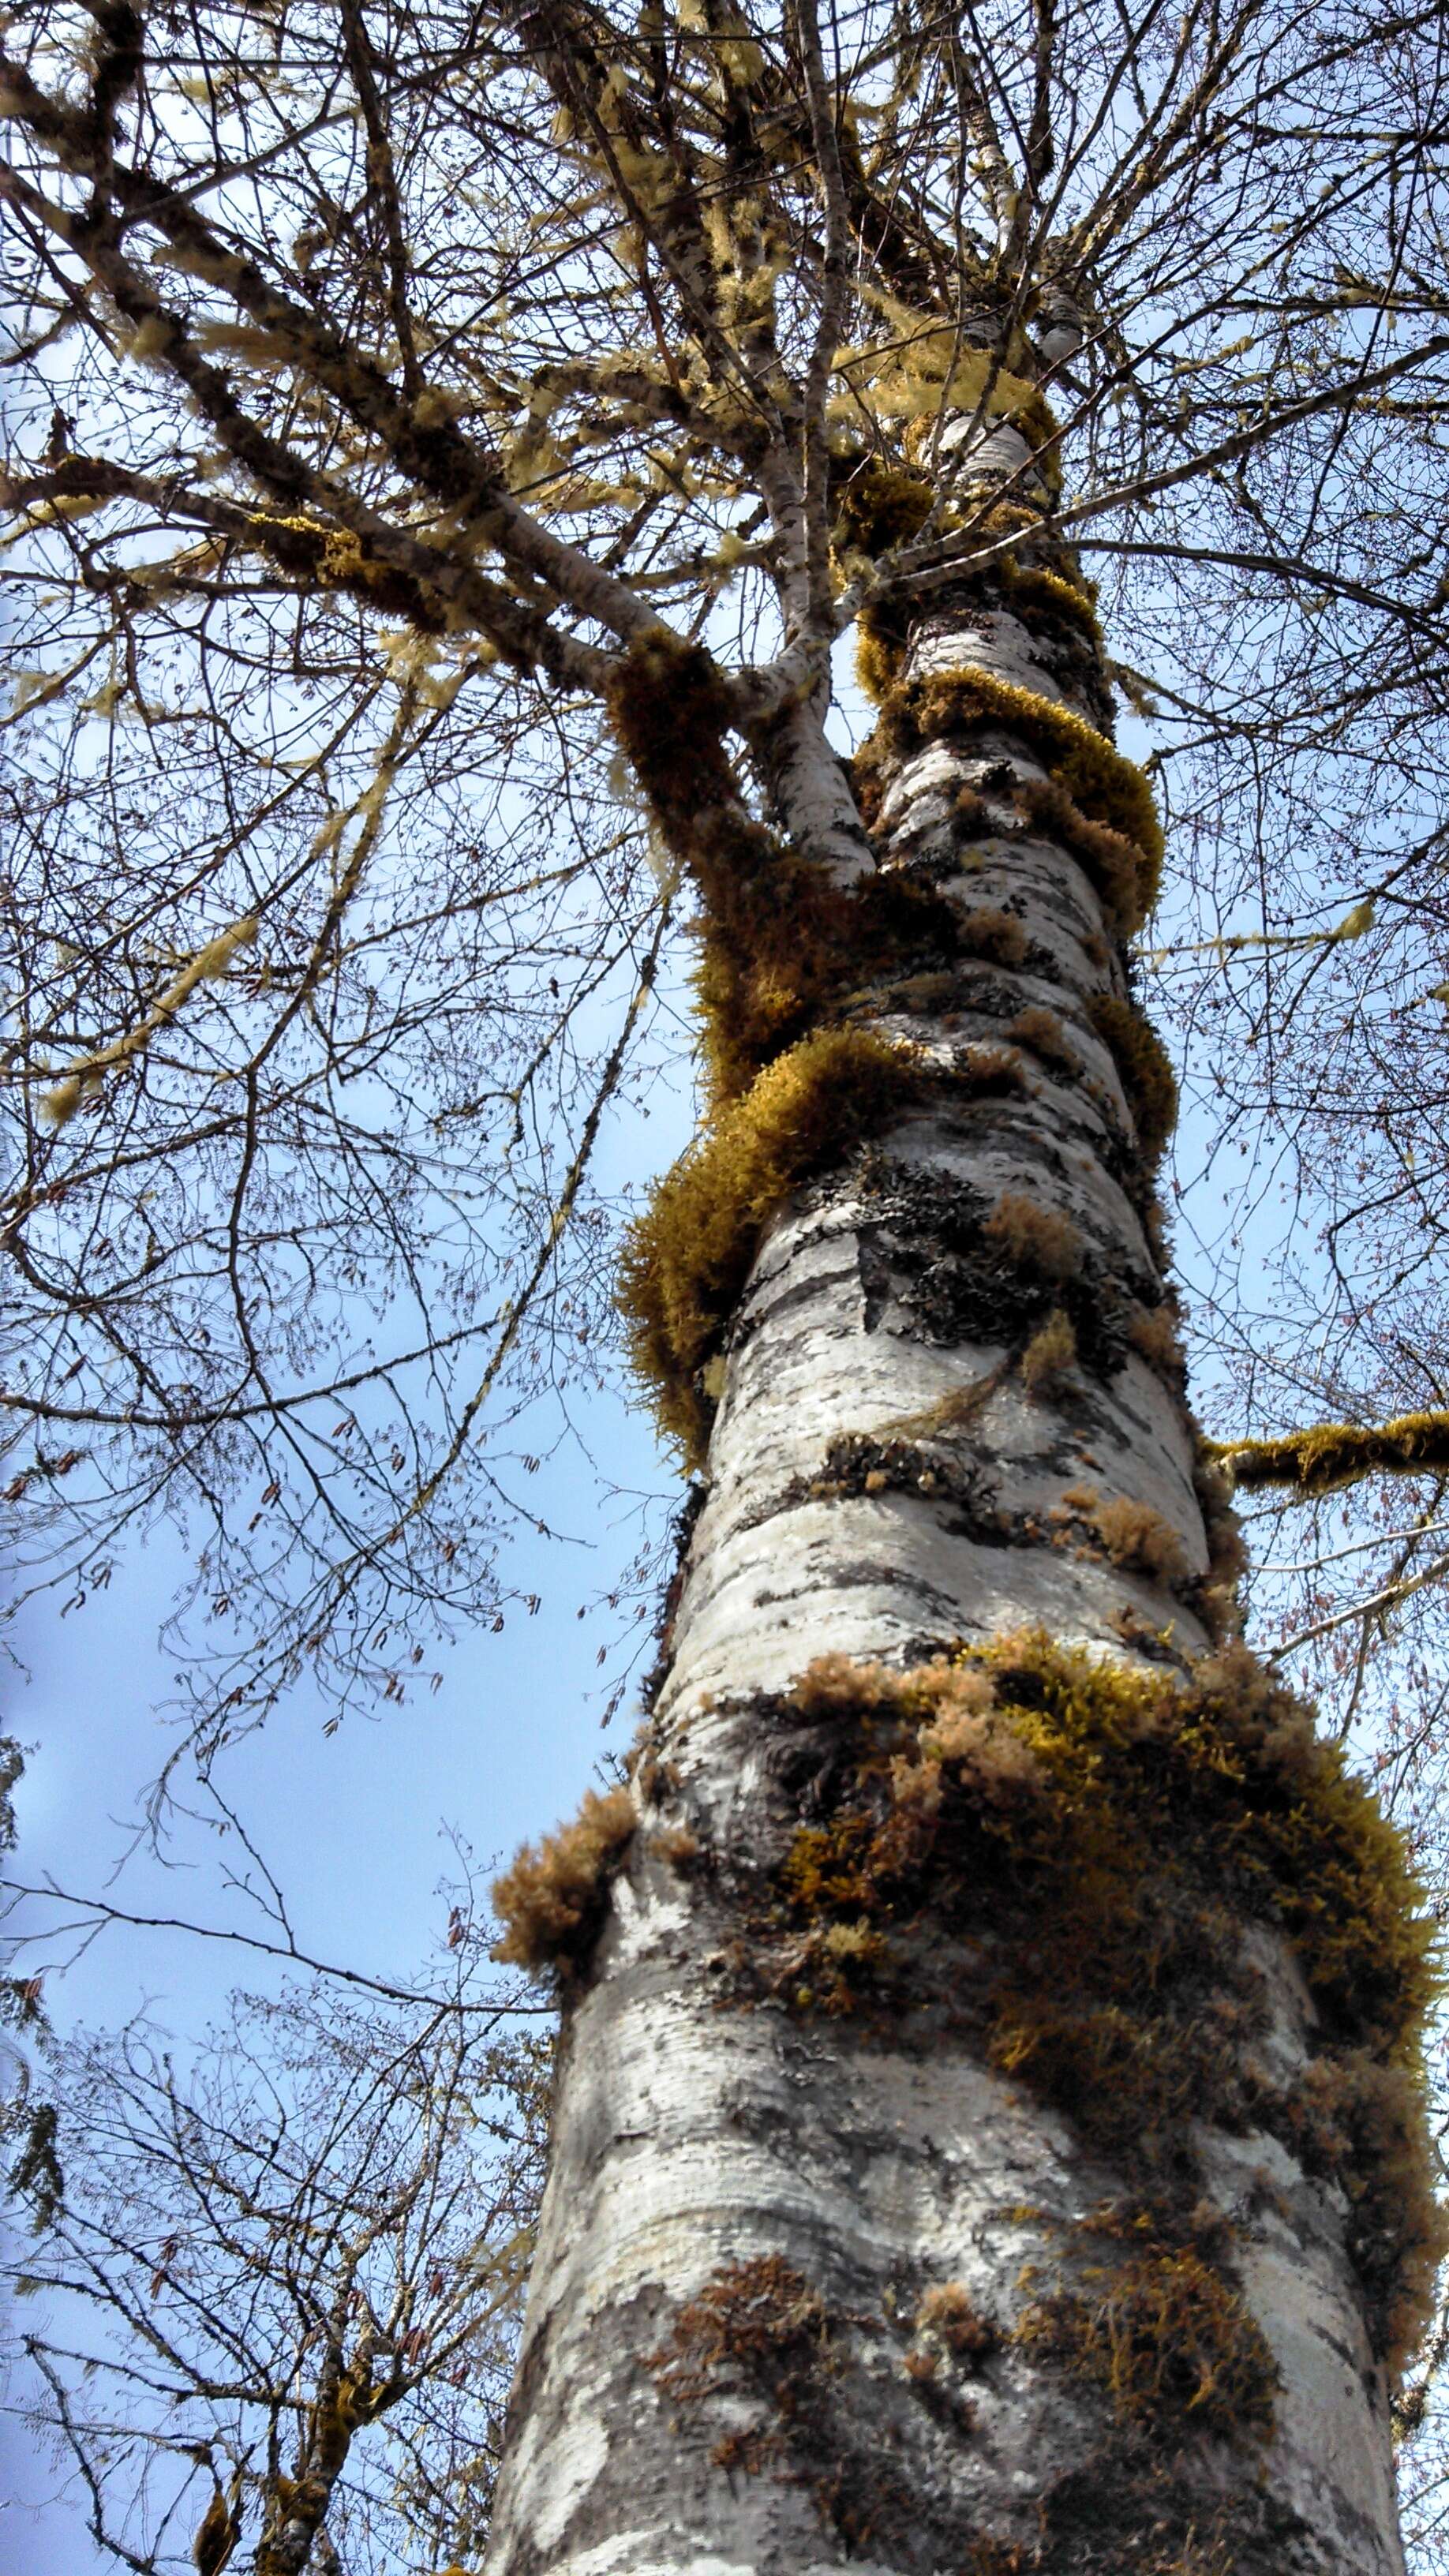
[208, 966]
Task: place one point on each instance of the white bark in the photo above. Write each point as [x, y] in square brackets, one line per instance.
[701, 2125]
[811, 793]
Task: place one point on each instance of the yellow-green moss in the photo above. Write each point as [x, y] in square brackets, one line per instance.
[1107, 786]
[1170, 2343]
[1330, 1454]
[879, 507]
[879, 654]
[550, 1901]
[686, 1260]
[778, 943]
[1126, 875]
[1111, 1827]
[1053, 593]
[1145, 1069]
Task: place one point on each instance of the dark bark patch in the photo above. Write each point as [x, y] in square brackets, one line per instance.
[758, 2330]
[928, 1243]
[1125, 2512]
[1106, 1835]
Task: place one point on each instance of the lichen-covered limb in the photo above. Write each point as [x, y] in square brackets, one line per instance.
[439, 457]
[1330, 1454]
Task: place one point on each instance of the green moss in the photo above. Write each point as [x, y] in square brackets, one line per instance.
[1331, 1454]
[879, 507]
[1032, 586]
[780, 949]
[1107, 786]
[687, 1260]
[1108, 1829]
[880, 650]
[1145, 1069]
[779, 944]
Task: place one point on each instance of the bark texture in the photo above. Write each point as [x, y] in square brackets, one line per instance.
[851, 2250]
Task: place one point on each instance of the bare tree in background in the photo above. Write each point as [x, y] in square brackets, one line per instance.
[275, 2309]
[990, 2125]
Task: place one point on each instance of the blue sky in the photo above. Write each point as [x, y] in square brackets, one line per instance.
[355, 1826]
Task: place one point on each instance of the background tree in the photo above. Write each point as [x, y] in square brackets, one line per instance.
[277, 2300]
[412, 457]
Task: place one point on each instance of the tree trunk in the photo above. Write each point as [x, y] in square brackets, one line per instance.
[954, 2148]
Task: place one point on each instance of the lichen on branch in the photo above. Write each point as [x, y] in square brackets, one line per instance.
[1331, 1454]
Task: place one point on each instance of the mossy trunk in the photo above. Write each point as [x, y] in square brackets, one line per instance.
[986, 2135]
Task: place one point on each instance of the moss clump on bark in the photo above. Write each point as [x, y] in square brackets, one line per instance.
[1163, 2333]
[879, 507]
[1035, 1239]
[1050, 1355]
[1106, 786]
[779, 945]
[1144, 1068]
[757, 2329]
[1132, 1534]
[760, 2316]
[1043, 1031]
[1053, 594]
[1155, 1333]
[551, 1899]
[947, 2314]
[686, 1261]
[1107, 1831]
[1126, 873]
